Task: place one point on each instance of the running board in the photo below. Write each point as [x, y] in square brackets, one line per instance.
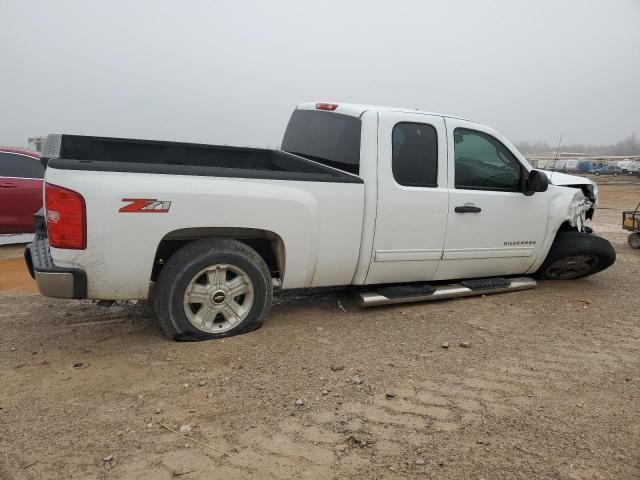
[425, 293]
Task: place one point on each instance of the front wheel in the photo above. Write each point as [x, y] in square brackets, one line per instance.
[575, 255]
[634, 240]
[212, 288]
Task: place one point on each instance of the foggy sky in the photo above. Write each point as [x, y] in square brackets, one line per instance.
[231, 72]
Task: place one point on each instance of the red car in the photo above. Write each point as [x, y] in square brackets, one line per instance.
[20, 189]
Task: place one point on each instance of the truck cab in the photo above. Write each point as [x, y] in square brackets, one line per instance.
[445, 197]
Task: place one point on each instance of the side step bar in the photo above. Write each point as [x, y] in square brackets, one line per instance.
[424, 293]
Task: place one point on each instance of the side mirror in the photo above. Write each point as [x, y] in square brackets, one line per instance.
[536, 182]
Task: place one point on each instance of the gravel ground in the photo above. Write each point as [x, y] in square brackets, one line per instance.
[547, 387]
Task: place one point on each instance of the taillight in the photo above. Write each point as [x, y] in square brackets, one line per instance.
[326, 106]
[66, 218]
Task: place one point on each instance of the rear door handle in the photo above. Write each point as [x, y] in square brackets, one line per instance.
[468, 209]
[8, 185]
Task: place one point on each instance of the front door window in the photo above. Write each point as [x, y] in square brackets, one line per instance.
[484, 163]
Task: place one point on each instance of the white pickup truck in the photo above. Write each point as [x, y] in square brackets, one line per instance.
[357, 195]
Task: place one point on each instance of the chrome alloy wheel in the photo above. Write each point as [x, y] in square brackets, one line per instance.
[572, 267]
[218, 298]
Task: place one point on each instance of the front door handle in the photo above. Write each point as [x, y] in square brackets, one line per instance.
[8, 185]
[468, 209]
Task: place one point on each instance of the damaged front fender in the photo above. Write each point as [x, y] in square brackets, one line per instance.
[580, 209]
[584, 199]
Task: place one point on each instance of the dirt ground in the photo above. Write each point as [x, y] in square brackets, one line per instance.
[549, 387]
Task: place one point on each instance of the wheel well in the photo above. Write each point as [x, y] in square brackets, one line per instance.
[267, 244]
[567, 227]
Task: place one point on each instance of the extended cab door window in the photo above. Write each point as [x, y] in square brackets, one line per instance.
[484, 163]
[415, 155]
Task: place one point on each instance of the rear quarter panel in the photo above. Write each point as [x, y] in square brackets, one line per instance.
[319, 224]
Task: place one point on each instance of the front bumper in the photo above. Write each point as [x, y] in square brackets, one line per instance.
[52, 281]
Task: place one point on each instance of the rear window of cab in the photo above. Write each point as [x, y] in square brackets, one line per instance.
[329, 138]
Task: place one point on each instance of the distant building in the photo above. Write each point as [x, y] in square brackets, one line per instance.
[586, 165]
[35, 143]
[559, 165]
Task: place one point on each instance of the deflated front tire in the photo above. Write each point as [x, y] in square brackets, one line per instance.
[576, 255]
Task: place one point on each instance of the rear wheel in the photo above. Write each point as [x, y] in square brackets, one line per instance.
[212, 288]
[634, 240]
[576, 255]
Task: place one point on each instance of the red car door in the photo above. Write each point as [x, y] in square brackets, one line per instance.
[20, 192]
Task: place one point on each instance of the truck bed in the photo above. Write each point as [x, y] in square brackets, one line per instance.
[77, 152]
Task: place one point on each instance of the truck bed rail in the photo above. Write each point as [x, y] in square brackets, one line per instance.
[106, 154]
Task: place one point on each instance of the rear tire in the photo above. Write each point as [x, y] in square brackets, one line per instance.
[576, 255]
[212, 288]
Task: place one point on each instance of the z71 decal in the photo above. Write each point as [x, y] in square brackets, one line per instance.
[145, 205]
